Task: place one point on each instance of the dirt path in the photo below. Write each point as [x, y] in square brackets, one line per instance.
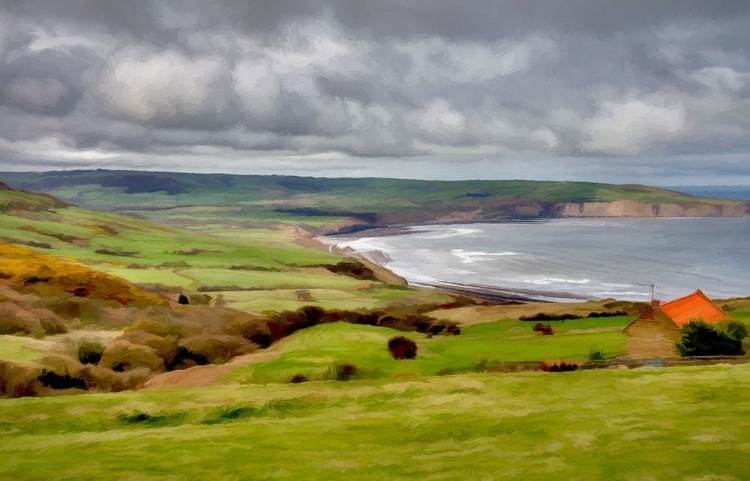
[207, 375]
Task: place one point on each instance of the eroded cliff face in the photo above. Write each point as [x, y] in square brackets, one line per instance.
[531, 210]
[627, 208]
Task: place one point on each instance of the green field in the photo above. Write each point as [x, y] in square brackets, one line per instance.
[678, 423]
[315, 352]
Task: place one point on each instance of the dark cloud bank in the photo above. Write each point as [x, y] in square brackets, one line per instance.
[654, 92]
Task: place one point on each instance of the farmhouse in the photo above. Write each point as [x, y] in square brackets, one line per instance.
[655, 332]
[694, 306]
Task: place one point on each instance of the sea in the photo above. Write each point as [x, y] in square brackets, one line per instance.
[561, 259]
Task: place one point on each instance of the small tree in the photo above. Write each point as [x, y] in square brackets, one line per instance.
[702, 339]
[402, 348]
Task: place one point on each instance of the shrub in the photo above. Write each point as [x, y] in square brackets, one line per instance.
[89, 351]
[100, 378]
[453, 330]
[164, 349]
[483, 365]
[344, 372]
[215, 347]
[132, 379]
[734, 329]
[558, 366]
[12, 325]
[50, 322]
[402, 348]
[60, 381]
[17, 380]
[34, 321]
[596, 354]
[545, 330]
[702, 339]
[122, 356]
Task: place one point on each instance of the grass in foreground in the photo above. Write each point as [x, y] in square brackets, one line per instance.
[678, 423]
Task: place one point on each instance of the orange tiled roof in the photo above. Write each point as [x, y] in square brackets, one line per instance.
[694, 306]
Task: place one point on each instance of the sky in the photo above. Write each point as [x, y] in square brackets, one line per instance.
[597, 90]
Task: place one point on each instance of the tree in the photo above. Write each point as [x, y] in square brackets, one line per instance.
[402, 348]
[702, 339]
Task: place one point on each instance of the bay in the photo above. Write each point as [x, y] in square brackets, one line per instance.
[573, 258]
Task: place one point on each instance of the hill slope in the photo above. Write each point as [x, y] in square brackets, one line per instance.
[251, 268]
[351, 203]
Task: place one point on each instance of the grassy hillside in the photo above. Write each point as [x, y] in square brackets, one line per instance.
[679, 423]
[315, 352]
[203, 200]
[255, 269]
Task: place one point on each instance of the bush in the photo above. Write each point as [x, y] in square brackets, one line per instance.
[545, 330]
[217, 347]
[558, 366]
[122, 356]
[596, 354]
[164, 349]
[33, 321]
[132, 379]
[89, 351]
[53, 380]
[17, 380]
[402, 348]
[702, 339]
[344, 372]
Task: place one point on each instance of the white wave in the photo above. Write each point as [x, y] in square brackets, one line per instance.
[626, 293]
[414, 277]
[469, 257]
[546, 281]
[621, 286]
[589, 223]
[368, 244]
[443, 233]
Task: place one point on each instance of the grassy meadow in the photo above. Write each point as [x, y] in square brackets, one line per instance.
[315, 352]
[680, 423]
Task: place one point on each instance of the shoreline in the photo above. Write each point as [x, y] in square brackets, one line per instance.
[377, 261]
[502, 293]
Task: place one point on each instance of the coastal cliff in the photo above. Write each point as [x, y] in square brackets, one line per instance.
[627, 208]
[533, 211]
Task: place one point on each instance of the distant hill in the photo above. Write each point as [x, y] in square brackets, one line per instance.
[340, 204]
[736, 192]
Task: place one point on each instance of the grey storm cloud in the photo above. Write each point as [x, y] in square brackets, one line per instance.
[420, 88]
